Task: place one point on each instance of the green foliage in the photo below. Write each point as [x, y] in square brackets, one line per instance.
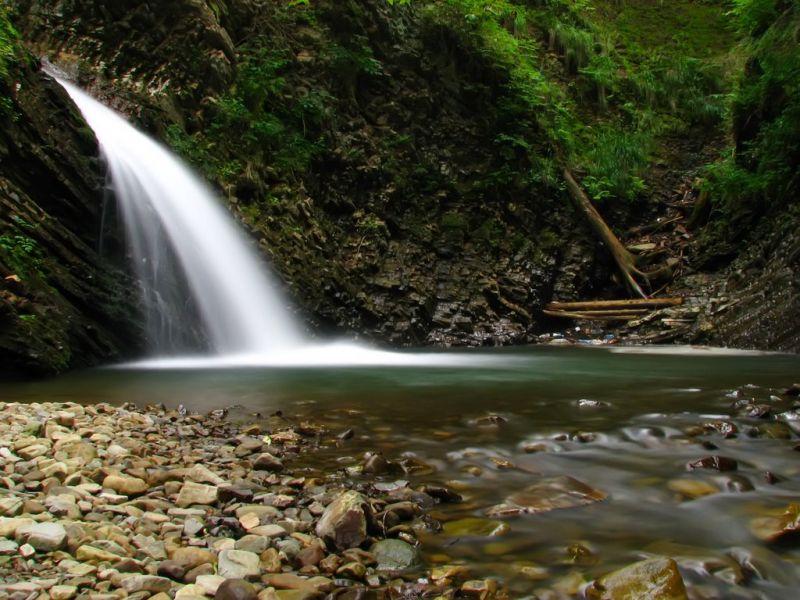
[21, 253]
[755, 16]
[615, 162]
[9, 39]
[762, 171]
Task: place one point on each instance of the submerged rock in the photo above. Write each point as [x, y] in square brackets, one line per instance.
[553, 494]
[394, 555]
[653, 579]
[778, 528]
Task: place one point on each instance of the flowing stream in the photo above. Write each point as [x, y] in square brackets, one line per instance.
[625, 422]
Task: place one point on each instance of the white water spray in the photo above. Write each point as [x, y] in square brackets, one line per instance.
[171, 217]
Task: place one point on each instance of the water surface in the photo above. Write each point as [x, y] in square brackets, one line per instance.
[492, 423]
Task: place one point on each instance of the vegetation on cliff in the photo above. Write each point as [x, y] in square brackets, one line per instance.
[405, 165]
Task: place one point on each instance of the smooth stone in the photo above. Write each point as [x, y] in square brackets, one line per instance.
[91, 554]
[10, 506]
[394, 555]
[196, 493]
[191, 557]
[556, 493]
[146, 583]
[238, 564]
[191, 590]
[235, 589]
[62, 592]
[252, 543]
[267, 462]
[209, 583]
[654, 579]
[125, 485]
[776, 528]
[692, 488]
[344, 523]
[8, 547]
[271, 530]
[202, 474]
[171, 569]
[45, 537]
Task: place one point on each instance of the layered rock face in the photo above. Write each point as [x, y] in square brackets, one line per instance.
[62, 304]
[396, 229]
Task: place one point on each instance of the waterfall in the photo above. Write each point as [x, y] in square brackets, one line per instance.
[180, 237]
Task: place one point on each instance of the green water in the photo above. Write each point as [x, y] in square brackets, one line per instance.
[631, 447]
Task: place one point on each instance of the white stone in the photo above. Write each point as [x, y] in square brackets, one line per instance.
[238, 564]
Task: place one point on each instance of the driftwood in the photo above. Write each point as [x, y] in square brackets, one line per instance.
[613, 304]
[608, 310]
[626, 261]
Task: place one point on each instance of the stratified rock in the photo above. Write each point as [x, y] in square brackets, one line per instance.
[238, 564]
[235, 589]
[394, 555]
[654, 579]
[555, 493]
[344, 522]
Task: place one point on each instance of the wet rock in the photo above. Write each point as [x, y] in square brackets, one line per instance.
[238, 564]
[268, 462]
[196, 493]
[475, 527]
[394, 555]
[555, 493]
[235, 589]
[344, 523]
[655, 579]
[443, 494]
[778, 528]
[479, 588]
[715, 462]
[692, 488]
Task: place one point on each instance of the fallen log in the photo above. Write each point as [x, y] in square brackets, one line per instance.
[615, 304]
[592, 316]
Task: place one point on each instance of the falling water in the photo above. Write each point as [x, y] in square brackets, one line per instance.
[178, 232]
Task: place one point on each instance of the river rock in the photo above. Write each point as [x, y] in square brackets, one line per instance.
[394, 555]
[654, 579]
[196, 493]
[210, 583]
[235, 589]
[344, 523]
[267, 462]
[146, 583]
[45, 537]
[777, 528]
[172, 569]
[63, 592]
[125, 485]
[191, 557]
[555, 493]
[238, 564]
[715, 462]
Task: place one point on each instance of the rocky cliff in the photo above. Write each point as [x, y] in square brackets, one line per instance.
[62, 305]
